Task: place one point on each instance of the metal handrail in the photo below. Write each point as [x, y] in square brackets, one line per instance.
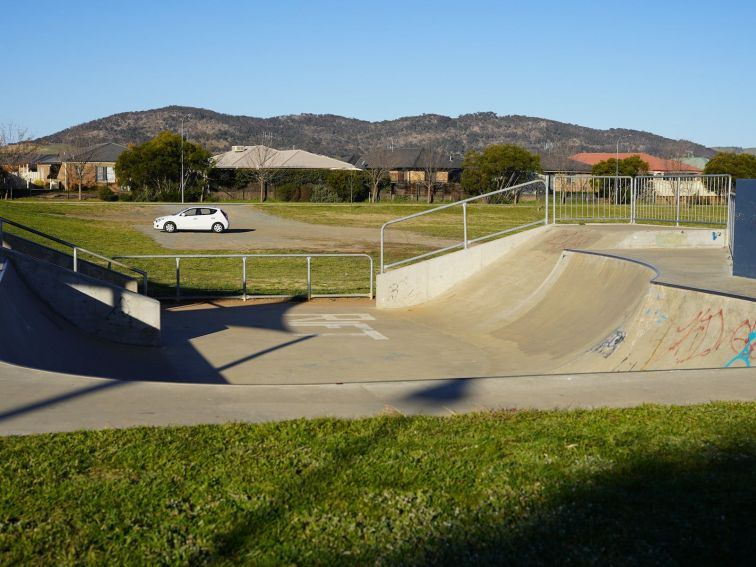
[76, 250]
[244, 257]
[465, 240]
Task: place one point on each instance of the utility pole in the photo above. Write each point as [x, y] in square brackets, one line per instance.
[182, 155]
[182, 159]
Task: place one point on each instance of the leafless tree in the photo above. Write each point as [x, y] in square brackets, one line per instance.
[263, 162]
[431, 158]
[77, 161]
[16, 148]
[377, 165]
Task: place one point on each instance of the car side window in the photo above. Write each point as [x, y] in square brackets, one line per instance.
[190, 212]
[206, 211]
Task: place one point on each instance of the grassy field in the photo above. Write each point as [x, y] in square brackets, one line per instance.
[645, 486]
[108, 229]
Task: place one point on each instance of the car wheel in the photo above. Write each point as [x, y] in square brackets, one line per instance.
[169, 227]
[217, 227]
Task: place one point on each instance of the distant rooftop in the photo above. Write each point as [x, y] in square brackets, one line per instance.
[654, 163]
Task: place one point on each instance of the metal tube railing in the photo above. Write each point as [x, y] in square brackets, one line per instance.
[75, 250]
[244, 258]
[465, 239]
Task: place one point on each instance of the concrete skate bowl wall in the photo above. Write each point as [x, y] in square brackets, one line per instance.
[597, 313]
[668, 328]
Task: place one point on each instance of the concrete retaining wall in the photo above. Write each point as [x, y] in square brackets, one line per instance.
[66, 261]
[421, 282]
[684, 237]
[98, 308]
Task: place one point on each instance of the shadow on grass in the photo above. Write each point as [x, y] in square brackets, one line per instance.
[690, 508]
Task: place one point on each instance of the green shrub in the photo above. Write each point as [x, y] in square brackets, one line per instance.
[324, 194]
[105, 194]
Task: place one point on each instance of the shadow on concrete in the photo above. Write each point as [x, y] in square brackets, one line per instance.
[46, 403]
[445, 392]
[34, 336]
[650, 508]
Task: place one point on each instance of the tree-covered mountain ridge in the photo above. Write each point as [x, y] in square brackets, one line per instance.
[340, 136]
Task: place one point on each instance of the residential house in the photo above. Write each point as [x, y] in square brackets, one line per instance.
[656, 165]
[91, 166]
[408, 168]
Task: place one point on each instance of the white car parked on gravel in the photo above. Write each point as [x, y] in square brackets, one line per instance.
[194, 218]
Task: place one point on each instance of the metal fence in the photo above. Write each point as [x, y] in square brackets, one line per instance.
[678, 199]
[589, 198]
[682, 199]
[533, 187]
[245, 261]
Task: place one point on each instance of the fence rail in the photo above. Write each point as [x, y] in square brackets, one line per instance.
[678, 199]
[244, 279]
[76, 251]
[466, 241]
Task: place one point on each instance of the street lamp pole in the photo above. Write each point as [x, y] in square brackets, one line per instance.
[182, 159]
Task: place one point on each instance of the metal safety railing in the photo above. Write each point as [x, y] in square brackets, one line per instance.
[244, 274]
[76, 251]
[682, 199]
[678, 199]
[590, 197]
[466, 241]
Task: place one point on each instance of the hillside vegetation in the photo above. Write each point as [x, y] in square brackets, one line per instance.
[340, 136]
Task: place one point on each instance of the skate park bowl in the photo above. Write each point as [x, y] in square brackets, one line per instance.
[557, 299]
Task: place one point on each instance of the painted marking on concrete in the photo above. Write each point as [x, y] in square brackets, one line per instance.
[352, 321]
[745, 354]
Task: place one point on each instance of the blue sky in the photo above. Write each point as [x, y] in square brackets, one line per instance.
[675, 68]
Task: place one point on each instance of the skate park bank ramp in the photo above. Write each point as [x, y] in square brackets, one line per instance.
[535, 310]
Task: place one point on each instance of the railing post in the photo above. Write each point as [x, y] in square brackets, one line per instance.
[547, 183]
[554, 203]
[372, 275]
[244, 277]
[382, 228]
[75, 260]
[464, 223]
[309, 278]
[632, 200]
[178, 278]
[677, 202]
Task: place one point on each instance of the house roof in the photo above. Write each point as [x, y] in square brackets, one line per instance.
[654, 163]
[558, 164]
[254, 157]
[107, 152]
[409, 158]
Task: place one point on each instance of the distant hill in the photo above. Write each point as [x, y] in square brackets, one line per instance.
[340, 136]
[735, 150]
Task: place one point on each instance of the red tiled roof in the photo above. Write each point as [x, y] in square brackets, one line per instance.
[654, 163]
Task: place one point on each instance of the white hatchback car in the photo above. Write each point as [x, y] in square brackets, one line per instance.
[194, 218]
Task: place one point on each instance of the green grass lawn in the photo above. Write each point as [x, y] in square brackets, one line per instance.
[483, 219]
[112, 234]
[645, 486]
[105, 228]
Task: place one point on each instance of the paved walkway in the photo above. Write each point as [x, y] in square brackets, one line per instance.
[39, 402]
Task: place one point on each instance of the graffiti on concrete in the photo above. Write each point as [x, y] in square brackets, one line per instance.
[607, 347]
[700, 337]
[750, 343]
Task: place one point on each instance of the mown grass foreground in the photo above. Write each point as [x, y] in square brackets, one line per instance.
[645, 486]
